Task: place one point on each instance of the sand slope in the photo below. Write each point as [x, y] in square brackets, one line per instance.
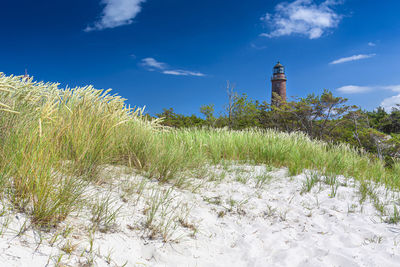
[232, 222]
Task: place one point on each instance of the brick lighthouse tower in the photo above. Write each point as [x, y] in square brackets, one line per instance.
[278, 81]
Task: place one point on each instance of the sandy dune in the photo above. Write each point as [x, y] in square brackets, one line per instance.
[232, 222]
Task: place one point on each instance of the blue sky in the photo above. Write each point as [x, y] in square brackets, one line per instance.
[161, 54]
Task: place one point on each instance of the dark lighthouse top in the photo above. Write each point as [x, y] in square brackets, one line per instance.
[278, 69]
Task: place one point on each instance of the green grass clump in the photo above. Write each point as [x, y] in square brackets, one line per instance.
[295, 151]
[53, 140]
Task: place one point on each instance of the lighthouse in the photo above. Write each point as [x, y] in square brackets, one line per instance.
[278, 81]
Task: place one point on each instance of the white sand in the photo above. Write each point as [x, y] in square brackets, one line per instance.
[235, 224]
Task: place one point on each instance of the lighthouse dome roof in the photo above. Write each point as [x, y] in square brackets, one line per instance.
[278, 65]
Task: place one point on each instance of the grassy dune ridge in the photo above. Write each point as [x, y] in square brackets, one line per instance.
[53, 140]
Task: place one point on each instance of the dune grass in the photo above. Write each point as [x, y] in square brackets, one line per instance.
[53, 140]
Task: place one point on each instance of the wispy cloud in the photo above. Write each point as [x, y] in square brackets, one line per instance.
[152, 64]
[352, 58]
[183, 73]
[116, 13]
[354, 89]
[387, 103]
[302, 17]
[371, 44]
[394, 88]
[258, 47]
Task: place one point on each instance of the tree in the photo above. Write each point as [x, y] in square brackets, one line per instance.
[380, 120]
[170, 118]
[208, 112]
[245, 112]
[315, 115]
[393, 126]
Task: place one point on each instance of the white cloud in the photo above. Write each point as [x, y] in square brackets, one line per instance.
[258, 47]
[394, 88]
[354, 89]
[389, 103]
[116, 13]
[302, 17]
[152, 64]
[352, 58]
[371, 44]
[183, 73]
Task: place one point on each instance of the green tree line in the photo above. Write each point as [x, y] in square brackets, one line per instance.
[323, 117]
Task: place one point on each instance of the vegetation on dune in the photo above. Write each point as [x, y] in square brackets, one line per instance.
[322, 117]
[53, 140]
